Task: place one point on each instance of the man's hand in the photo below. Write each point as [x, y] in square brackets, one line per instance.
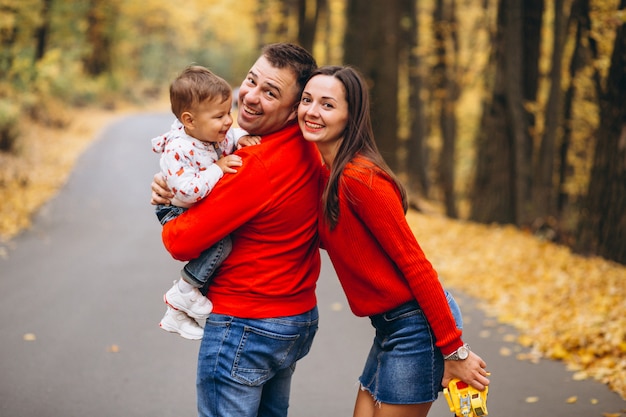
[248, 141]
[227, 162]
[471, 371]
[161, 193]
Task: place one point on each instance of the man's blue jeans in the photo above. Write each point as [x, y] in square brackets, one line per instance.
[245, 365]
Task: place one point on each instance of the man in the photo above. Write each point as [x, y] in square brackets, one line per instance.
[265, 313]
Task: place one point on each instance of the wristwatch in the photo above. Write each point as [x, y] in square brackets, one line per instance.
[460, 354]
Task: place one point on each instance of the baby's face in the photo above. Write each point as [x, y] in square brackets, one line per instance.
[211, 120]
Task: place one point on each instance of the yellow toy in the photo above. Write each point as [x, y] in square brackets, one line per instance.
[465, 400]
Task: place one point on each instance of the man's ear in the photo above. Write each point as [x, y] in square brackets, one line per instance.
[187, 120]
[294, 112]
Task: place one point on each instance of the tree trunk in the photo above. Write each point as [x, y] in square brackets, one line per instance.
[262, 23]
[602, 228]
[503, 174]
[575, 64]
[287, 10]
[101, 18]
[417, 159]
[544, 202]
[532, 12]
[585, 54]
[492, 193]
[308, 16]
[43, 30]
[447, 94]
[514, 62]
[371, 45]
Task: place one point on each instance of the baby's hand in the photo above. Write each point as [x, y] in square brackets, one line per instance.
[248, 141]
[226, 163]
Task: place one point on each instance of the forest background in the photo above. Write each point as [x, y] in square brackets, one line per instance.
[504, 118]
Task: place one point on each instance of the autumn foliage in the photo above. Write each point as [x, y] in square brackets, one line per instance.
[65, 65]
[565, 306]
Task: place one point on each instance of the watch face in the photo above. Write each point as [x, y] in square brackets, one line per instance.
[463, 353]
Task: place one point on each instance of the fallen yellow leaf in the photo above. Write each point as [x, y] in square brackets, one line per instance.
[490, 323]
[113, 348]
[336, 307]
[509, 338]
[532, 400]
[525, 340]
[559, 352]
[504, 351]
[29, 337]
[572, 399]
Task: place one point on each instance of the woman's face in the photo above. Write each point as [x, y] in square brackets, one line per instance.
[323, 111]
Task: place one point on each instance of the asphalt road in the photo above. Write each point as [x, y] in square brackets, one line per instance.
[81, 301]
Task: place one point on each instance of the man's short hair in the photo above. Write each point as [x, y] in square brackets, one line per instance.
[295, 57]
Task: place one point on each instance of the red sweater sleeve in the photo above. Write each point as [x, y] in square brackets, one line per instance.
[269, 208]
[221, 213]
[383, 265]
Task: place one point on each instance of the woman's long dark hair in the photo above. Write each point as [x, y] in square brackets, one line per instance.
[358, 139]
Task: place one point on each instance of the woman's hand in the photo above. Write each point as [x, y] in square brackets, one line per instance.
[471, 371]
[161, 193]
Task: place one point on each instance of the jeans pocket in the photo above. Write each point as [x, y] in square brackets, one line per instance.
[455, 309]
[261, 354]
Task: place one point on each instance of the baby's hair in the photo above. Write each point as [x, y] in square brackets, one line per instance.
[195, 85]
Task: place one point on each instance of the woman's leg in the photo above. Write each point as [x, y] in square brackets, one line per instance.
[366, 407]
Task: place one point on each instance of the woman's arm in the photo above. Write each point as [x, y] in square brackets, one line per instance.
[377, 203]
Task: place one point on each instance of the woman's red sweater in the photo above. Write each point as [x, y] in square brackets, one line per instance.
[376, 256]
[269, 207]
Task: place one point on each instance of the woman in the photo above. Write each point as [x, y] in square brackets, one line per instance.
[382, 268]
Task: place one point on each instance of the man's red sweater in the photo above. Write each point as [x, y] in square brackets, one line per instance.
[376, 256]
[269, 208]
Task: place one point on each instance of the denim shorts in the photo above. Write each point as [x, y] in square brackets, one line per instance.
[404, 366]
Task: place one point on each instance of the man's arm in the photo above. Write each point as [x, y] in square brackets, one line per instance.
[235, 200]
[161, 193]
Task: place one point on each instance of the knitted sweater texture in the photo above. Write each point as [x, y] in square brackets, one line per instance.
[269, 207]
[376, 255]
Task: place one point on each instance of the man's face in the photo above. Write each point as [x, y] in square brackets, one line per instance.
[268, 98]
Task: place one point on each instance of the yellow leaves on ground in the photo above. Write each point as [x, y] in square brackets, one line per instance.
[505, 351]
[31, 337]
[571, 400]
[566, 307]
[42, 165]
[336, 306]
